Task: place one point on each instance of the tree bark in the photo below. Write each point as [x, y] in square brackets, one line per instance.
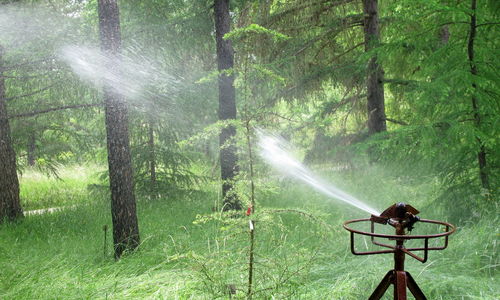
[123, 207]
[481, 155]
[444, 34]
[227, 104]
[10, 204]
[375, 73]
[31, 147]
[152, 158]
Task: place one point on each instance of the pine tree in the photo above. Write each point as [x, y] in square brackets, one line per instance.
[227, 104]
[123, 208]
[374, 82]
[10, 205]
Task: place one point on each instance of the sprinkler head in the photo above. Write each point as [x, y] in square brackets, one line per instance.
[411, 220]
[379, 219]
[398, 214]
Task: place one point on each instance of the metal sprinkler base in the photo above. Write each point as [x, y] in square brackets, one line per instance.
[402, 217]
[401, 280]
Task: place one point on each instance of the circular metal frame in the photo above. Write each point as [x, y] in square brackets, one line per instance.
[449, 230]
[398, 277]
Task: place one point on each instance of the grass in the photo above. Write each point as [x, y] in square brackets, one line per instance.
[38, 191]
[62, 255]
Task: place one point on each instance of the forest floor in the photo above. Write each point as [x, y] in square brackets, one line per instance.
[189, 252]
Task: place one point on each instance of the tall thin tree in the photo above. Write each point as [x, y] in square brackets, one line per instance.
[152, 157]
[10, 205]
[481, 155]
[123, 208]
[375, 73]
[227, 104]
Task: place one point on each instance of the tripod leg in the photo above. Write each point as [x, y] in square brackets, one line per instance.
[400, 285]
[414, 289]
[382, 286]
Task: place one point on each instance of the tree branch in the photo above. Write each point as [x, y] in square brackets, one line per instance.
[330, 108]
[280, 15]
[32, 93]
[488, 24]
[346, 52]
[396, 121]
[314, 40]
[43, 111]
[26, 76]
[11, 67]
[399, 81]
[307, 5]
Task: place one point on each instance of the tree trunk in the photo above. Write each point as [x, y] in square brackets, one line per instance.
[481, 155]
[123, 210]
[10, 204]
[152, 158]
[31, 147]
[444, 34]
[227, 104]
[375, 73]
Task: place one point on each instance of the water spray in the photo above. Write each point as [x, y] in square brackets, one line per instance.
[277, 152]
[402, 217]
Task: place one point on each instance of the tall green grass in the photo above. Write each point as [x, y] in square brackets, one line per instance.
[182, 255]
[40, 191]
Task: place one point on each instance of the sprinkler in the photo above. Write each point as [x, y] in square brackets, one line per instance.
[402, 217]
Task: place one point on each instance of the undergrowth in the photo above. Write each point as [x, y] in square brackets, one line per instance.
[70, 187]
[188, 251]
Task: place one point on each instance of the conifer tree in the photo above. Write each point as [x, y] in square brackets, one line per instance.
[374, 82]
[123, 208]
[227, 104]
[10, 206]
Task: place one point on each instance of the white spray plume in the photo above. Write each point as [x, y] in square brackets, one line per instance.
[130, 75]
[277, 152]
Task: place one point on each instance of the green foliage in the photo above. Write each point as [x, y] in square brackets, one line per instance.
[62, 253]
[37, 83]
[280, 261]
[433, 128]
[253, 30]
[172, 167]
[40, 191]
[427, 54]
[299, 67]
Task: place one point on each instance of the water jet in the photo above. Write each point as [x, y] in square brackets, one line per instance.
[277, 152]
